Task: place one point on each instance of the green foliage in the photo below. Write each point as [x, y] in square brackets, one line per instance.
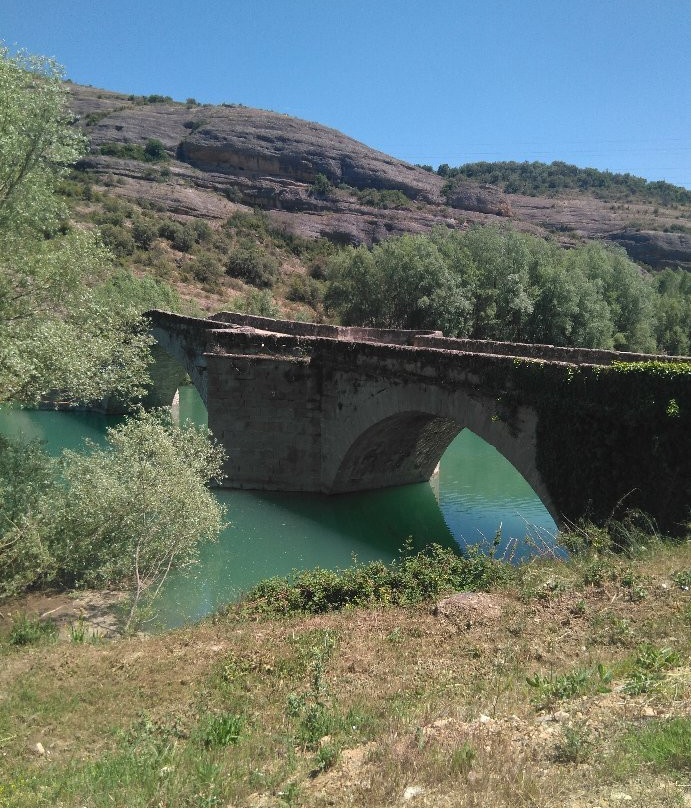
[462, 759]
[385, 199]
[547, 179]
[259, 302]
[400, 283]
[321, 187]
[664, 744]
[182, 237]
[54, 334]
[649, 669]
[303, 289]
[576, 745]
[30, 630]
[222, 730]
[78, 632]
[327, 757]
[206, 268]
[137, 294]
[673, 311]
[118, 240]
[153, 151]
[144, 233]
[491, 283]
[413, 579]
[551, 689]
[252, 265]
[124, 513]
[683, 579]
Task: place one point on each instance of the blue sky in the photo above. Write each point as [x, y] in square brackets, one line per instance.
[605, 83]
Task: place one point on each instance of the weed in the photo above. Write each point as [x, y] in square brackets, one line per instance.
[395, 637]
[575, 746]
[683, 579]
[462, 759]
[78, 631]
[578, 608]
[414, 578]
[327, 757]
[656, 660]
[29, 630]
[634, 584]
[611, 629]
[290, 793]
[569, 685]
[650, 666]
[222, 730]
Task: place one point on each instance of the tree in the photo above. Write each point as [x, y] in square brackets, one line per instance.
[400, 283]
[55, 334]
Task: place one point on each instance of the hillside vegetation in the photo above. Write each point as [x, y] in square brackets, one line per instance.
[538, 179]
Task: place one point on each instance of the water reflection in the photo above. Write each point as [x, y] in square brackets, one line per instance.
[474, 491]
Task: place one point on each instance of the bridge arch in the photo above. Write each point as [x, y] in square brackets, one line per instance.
[399, 436]
[176, 358]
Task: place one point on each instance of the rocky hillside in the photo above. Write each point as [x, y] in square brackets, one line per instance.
[316, 182]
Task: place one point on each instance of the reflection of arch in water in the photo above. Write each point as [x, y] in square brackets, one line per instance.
[392, 439]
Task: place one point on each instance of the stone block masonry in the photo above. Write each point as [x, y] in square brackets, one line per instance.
[304, 407]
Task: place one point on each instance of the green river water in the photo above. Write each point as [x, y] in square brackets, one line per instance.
[474, 491]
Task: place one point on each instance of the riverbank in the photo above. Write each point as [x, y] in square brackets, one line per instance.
[567, 684]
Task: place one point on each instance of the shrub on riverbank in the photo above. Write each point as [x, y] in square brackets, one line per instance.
[412, 579]
[122, 514]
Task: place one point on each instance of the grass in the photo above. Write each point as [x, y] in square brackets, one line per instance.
[663, 745]
[354, 706]
[30, 630]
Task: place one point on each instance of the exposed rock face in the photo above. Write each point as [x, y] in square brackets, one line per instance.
[225, 155]
[479, 197]
[252, 142]
[656, 249]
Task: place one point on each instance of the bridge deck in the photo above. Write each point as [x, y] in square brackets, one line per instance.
[308, 332]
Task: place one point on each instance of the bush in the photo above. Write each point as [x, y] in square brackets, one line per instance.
[383, 199]
[144, 233]
[206, 268]
[153, 151]
[321, 187]
[222, 730]
[122, 514]
[118, 239]
[181, 237]
[304, 289]
[413, 579]
[260, 303]
[28, 631]
[252, 266]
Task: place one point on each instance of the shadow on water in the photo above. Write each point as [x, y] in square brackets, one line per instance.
[270, 534]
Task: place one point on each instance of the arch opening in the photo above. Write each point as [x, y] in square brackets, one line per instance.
[174, 365]
[406, 448]
[398, 450]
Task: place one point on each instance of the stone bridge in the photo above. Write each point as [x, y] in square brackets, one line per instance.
[304, 407]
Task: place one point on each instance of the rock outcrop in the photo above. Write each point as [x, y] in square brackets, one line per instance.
[479, 197]
[224, 157]
[654, 248]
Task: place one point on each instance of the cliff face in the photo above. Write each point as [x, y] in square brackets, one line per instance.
[222, 156]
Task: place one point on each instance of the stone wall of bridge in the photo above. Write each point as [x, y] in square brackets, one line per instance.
[317, 410]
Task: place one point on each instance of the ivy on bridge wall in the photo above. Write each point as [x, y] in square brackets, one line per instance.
[613, 437]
